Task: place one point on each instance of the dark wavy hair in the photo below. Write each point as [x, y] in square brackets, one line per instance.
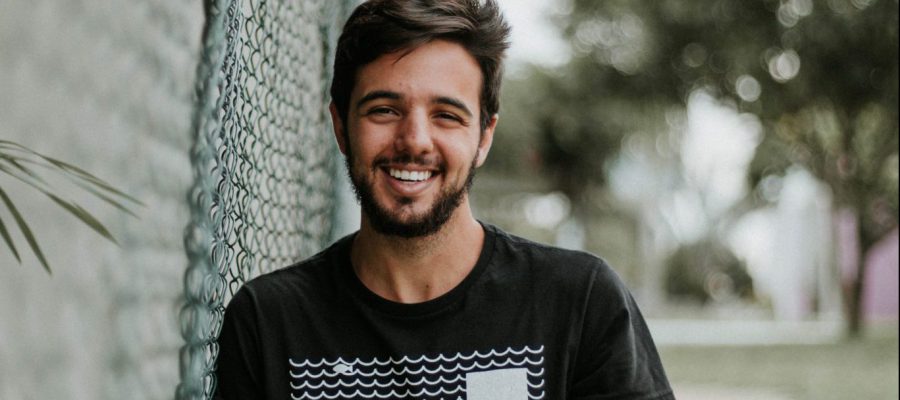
[379, 27]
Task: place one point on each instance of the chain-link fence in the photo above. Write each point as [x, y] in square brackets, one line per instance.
[263, 158]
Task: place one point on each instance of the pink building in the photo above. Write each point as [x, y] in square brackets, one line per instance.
[882, 282]
[880, 296]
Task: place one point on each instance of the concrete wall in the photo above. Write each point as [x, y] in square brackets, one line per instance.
[106, 85]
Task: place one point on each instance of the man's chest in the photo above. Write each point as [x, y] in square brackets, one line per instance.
[466, 355]
[502, 373]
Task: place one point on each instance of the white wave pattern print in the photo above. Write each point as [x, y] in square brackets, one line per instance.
[510, 374]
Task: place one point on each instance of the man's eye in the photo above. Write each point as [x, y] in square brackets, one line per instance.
[381, 110]
[449, 116]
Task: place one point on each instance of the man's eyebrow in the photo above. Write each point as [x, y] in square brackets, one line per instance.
[378, 94]
[453, 102]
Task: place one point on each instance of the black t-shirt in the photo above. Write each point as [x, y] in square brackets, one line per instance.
[528, 322]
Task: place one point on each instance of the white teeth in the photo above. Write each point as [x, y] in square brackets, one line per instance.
[414, 176]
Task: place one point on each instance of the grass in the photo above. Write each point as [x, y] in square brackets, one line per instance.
[861, 369]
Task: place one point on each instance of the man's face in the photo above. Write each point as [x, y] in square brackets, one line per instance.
[413, 137]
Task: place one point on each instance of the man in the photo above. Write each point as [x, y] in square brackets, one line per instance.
[425, 302]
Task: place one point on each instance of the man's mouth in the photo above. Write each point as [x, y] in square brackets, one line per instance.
[409, 176]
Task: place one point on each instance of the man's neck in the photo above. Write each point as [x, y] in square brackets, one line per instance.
[413, 270]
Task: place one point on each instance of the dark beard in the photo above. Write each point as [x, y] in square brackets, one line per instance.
[386, 223]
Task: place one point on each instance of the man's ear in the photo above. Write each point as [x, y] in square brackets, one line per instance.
[338, 128]
[487, 138]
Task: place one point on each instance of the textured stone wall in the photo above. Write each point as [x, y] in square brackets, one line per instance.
[106, 85]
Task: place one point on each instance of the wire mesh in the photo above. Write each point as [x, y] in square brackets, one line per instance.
[262, 157]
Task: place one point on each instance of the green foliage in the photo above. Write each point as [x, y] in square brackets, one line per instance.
[821, 75]
[706, 271]
[22, 164]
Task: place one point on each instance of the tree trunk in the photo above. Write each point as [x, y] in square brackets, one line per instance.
[854, 302]
[855, 317]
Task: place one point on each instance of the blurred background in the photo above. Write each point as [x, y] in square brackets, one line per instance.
[735, 161]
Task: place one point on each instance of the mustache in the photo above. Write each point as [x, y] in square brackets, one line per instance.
[423, 161]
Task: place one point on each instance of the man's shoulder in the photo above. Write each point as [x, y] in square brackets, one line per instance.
[545, 254]
[306, 276]
[548, 259]
[552, 272]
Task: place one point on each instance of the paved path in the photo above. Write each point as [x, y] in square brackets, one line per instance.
[716, 392]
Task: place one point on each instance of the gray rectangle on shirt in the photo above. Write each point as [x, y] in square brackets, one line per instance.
[501, 384]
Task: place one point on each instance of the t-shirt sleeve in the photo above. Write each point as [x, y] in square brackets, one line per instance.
[239, 364]
[616, 358]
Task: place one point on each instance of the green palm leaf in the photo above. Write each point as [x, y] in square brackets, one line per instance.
[71, 171]
[83, 215]
[20, 163]
[26, 231]
[9, 243]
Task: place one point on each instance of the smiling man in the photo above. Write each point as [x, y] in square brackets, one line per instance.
[413, 139]
[425, 301]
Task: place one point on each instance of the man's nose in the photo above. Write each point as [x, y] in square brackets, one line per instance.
[414, 136]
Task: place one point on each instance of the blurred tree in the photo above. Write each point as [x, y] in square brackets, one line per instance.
[707, 271]
[820, 74]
